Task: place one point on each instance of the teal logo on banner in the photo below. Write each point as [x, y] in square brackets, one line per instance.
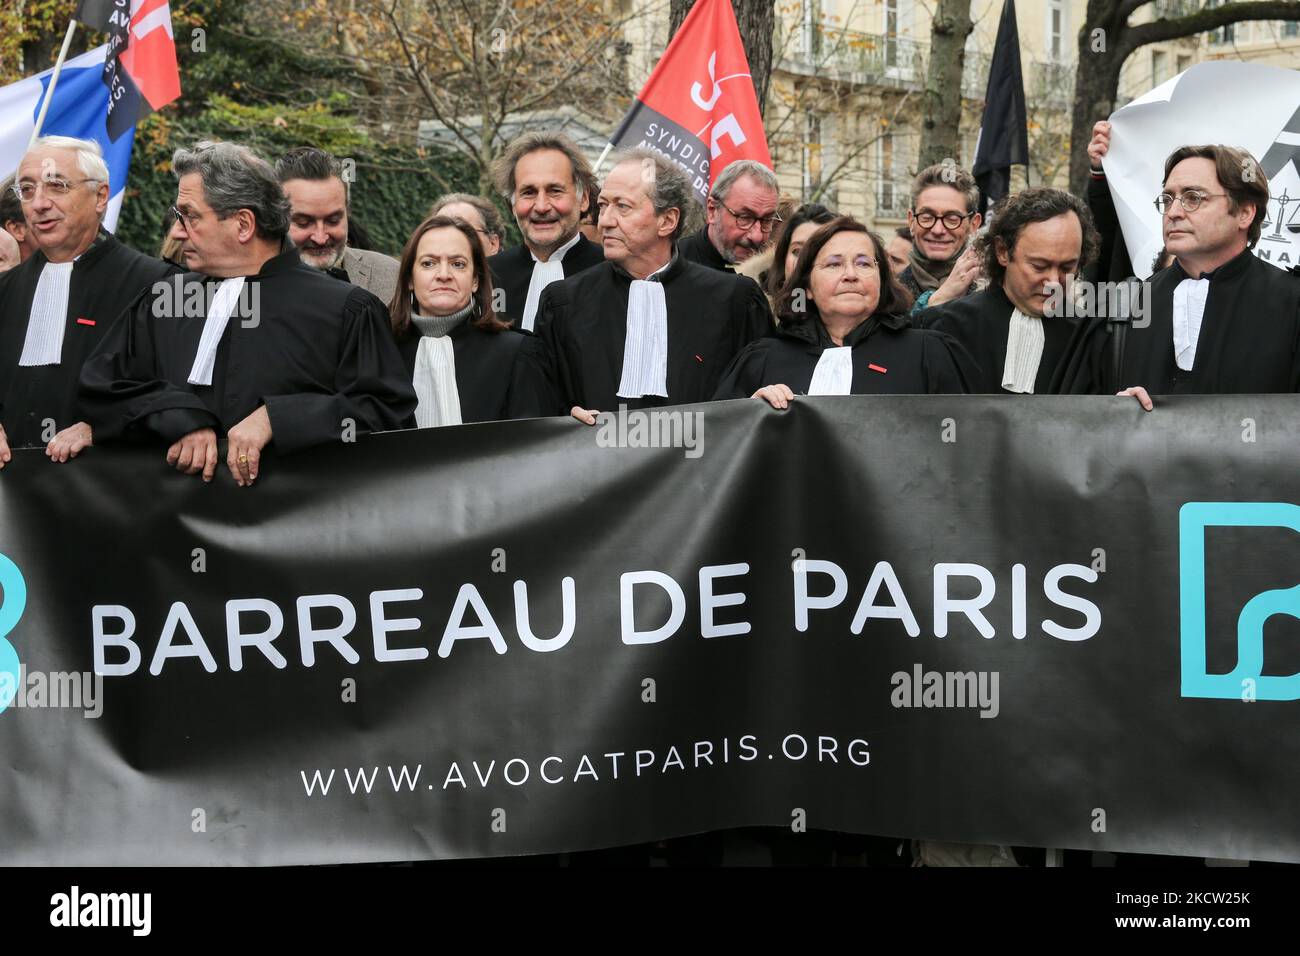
[1246, 681]
[13, 594]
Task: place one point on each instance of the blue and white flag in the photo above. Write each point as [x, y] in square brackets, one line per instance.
[79, 108]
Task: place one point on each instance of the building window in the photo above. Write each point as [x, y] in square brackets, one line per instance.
[1225, 34]
[886, 196]
[1291, 28]
[1184, 64]
[812, 154]
[1056, 30]
[1159, 67]
[891, 33]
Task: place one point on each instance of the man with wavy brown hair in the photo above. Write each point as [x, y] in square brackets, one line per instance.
[1218, 320]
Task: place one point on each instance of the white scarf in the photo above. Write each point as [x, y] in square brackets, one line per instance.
[435, 370]
[223, 305]
[834, 372]
[1189, 310]
[544, 273]
[49, 316]
[645, 350]
[1025, 339]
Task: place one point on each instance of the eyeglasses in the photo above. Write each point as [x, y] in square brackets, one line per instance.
[840, 264]
[950, 220]
[186, 219]
[1191, 200]
[746, 220]
[54, 186]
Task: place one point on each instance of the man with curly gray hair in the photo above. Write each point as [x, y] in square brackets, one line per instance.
[675, 324]
[252, 345]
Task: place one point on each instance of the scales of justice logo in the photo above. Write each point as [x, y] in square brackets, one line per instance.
[1280, 240]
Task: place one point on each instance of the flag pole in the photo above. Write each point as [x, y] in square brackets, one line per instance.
[595, 170]
[54, 79]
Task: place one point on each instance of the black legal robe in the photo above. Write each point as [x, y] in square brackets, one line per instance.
[1249, 341]
[320, 353]
[512, 272]
[105, 280]
[697, 248]
[583, 323]
[890, 357]
[499, 375]
[979, 323]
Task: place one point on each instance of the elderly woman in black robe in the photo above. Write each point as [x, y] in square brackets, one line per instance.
[843, 330]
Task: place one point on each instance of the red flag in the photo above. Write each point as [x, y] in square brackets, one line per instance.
[699, 107]
[140, 70]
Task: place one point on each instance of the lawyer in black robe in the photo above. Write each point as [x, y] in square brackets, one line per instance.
[1249, 338]
[711, 316]
[980, 324]
[445, 296]
[104, 281]
[890, 357]
[499, 375]
[512, 271]
[317, 352]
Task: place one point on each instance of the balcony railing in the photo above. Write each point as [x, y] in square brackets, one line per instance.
[1170, 9]
[870, 59]
[855, 57]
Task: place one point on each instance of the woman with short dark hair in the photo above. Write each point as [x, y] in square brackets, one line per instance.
[844, 330]
[465, 363]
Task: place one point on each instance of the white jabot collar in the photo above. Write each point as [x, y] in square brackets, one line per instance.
[544, 273]
[1025, 340]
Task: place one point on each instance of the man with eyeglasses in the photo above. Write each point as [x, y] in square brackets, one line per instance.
[318, 197]
[740, 216]
[59, 304]
[276, 355]
[12, 220]
[543, 176]
[942, 265]
[1219, 320]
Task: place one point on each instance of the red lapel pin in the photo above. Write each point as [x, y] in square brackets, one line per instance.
[85, 321]
[877, 368]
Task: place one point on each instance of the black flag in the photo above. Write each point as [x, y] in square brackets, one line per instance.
[1003, 138]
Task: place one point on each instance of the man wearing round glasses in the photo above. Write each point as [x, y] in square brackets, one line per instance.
[740, 216]
[58, 305]
[942, 265]
[1217, 321]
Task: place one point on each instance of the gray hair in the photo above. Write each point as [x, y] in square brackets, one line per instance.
[90, 157]
[235, 178]
[670, 187]
[951, 175]
[743, 167]
[492, 221]
[503, 169]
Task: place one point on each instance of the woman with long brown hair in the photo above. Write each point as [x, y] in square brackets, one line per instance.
[465, 363]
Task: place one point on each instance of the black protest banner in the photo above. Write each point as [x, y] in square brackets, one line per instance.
[1051, 621]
